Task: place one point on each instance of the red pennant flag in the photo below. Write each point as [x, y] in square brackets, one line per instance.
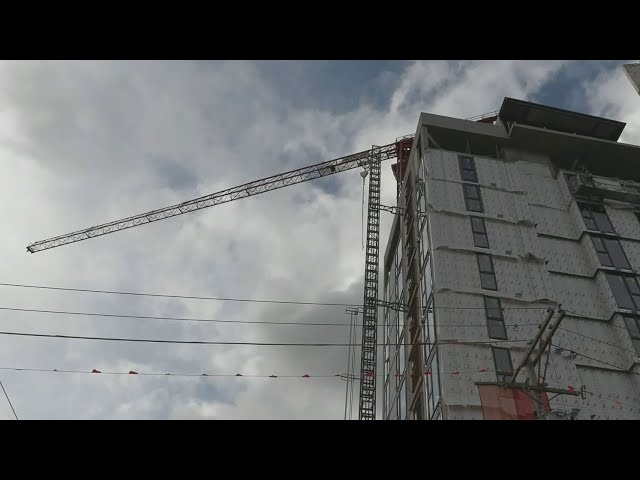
[571, 389]
[455, 373]
[238, 375]
[427, 372]
[95, 371]
[483, 370]
[131, 372]
[306, 375]
[273, 376]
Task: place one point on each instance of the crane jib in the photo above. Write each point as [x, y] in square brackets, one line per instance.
[242, 191]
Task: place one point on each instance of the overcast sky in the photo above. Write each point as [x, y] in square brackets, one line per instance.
[83, 143]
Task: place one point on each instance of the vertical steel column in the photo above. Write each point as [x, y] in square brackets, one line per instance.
[370, 317]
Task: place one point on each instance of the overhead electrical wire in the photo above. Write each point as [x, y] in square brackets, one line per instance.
[597, 340]
[190, 297]
[616, 367]
[195, 297]
[618, 403]
[148, 317]
[183, 319]
[179, 319]
[213, 342]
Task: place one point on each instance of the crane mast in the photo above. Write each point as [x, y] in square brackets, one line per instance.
[367, 408]
[371, 159]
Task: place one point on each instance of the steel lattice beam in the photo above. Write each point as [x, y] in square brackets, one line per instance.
[247, 190]
[370, 317]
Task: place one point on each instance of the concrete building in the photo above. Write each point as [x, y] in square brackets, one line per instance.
[507, 216]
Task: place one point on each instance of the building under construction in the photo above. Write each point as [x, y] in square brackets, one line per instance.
[514, 261]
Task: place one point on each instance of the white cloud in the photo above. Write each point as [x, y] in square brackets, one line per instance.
[611, 95]
[88, 142]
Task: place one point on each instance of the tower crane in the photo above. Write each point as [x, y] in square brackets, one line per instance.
[369, 159]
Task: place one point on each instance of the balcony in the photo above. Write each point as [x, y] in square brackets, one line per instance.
[589, 186]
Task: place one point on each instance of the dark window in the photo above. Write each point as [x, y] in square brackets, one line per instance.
[502, 362]
[610, 252]
[487, 273]
[495, 320]
[625, 290]
[479, 230]
[468, 169]
[472, 197]
[595, 218]
[633, 325]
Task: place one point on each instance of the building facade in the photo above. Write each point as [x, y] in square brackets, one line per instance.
[531, 209]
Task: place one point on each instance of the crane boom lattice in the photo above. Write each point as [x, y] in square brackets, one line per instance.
[255, 187]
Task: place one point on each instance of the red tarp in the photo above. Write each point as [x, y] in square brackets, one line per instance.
[508, 404]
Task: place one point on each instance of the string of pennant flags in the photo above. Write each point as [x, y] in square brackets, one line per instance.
[368, 374]
[343, 376]
[635, 407]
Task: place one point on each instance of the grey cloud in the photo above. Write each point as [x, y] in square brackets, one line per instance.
[97, 139]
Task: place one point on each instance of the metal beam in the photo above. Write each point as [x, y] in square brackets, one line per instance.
[533, 345]
[545, 343]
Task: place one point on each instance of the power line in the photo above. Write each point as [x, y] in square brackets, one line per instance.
[617, 402]
[148, 317]
[602, 321]
[255, 322]
[194, 297]
[597, 360]
[190, 297]
[597, 340]
[275, 344]
[180, 319]
[9, 400]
